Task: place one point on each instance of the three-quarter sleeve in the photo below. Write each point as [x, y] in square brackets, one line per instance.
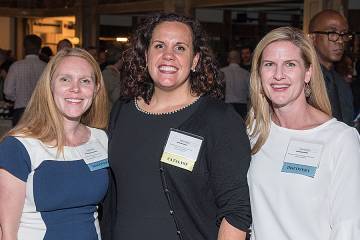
[14, 158]
[230, 158]
[345, 187]
[108, 209]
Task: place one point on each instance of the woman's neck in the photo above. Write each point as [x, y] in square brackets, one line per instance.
[163, 102]
[299, 118]
[75, 133]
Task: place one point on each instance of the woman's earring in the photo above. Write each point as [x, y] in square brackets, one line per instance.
[307, 90]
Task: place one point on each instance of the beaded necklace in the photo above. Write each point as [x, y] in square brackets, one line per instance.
[165, 113]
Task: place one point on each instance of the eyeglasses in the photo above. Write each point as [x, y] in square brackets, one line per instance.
[334, 36]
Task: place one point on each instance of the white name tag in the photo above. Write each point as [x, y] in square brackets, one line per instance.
[302, 157]
[182, 149]
[94, 155]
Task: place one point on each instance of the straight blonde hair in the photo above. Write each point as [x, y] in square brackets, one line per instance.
[43, 120]
[258, 119]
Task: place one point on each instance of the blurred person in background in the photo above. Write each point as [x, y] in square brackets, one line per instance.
[246, 56]
[102, 58]
[5, 63]
[346, 68]
[111, 73]
[3, 56]
[45, 54]
[64, 43]
[236, 83]
[329, 32]
[93, 51]
[23, 75]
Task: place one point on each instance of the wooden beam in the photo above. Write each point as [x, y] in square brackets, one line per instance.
[131, 7]
[311, 7]
[36, 12]
[223, 3]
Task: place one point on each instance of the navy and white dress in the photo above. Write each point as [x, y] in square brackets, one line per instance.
[62, 193]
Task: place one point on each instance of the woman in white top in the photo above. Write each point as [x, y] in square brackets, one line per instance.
[304, 177]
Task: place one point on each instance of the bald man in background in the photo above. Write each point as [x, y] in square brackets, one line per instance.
[237, 83]
[329, 32]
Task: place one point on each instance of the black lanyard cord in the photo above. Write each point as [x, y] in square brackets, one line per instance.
[169, 200]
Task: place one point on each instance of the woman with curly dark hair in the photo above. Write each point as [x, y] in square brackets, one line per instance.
[178, 154]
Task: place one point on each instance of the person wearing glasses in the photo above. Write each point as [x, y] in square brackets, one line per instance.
[329, 32]
[304, 172]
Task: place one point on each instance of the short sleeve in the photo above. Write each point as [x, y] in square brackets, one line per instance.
[344, 188]
[14, 158]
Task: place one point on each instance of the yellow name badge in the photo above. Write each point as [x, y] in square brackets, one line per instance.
[182, 149]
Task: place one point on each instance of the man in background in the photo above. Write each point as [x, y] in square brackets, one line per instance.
[246, 55]
[23, 76]
[329, 32]
[237, 83]
[111, 73]
[64, 43]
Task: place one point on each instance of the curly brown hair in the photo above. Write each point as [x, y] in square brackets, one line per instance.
[205, 80]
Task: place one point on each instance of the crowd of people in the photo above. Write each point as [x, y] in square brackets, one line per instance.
[264, 148]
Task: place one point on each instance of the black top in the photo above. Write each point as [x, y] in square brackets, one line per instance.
[340, 96]
[136, 207]
[247, 67]
[135, 155]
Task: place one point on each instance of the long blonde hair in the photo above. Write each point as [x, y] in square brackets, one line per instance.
[258, 119]
[43, 120]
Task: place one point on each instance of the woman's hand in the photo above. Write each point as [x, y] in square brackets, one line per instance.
[228, 232]
[12, 198]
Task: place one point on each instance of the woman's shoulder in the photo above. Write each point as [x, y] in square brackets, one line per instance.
[10, 142]
[346, 132]
[15, 158]
[338, 127]
[100, 136]
[217, 116]
[218, 110]
[21, 140]
[218, 106]
[98, 133]
[118, 104]
[18, 146]
[333, 132]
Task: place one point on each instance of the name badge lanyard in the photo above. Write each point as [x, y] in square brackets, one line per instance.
[166, 189]
[169, 199]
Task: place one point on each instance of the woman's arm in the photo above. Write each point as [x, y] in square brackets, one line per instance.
[228, 232]
[229, 159]
[12, 198]
[344, 189]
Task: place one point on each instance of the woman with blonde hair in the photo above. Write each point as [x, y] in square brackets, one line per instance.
[304, 174]
[53, 162]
